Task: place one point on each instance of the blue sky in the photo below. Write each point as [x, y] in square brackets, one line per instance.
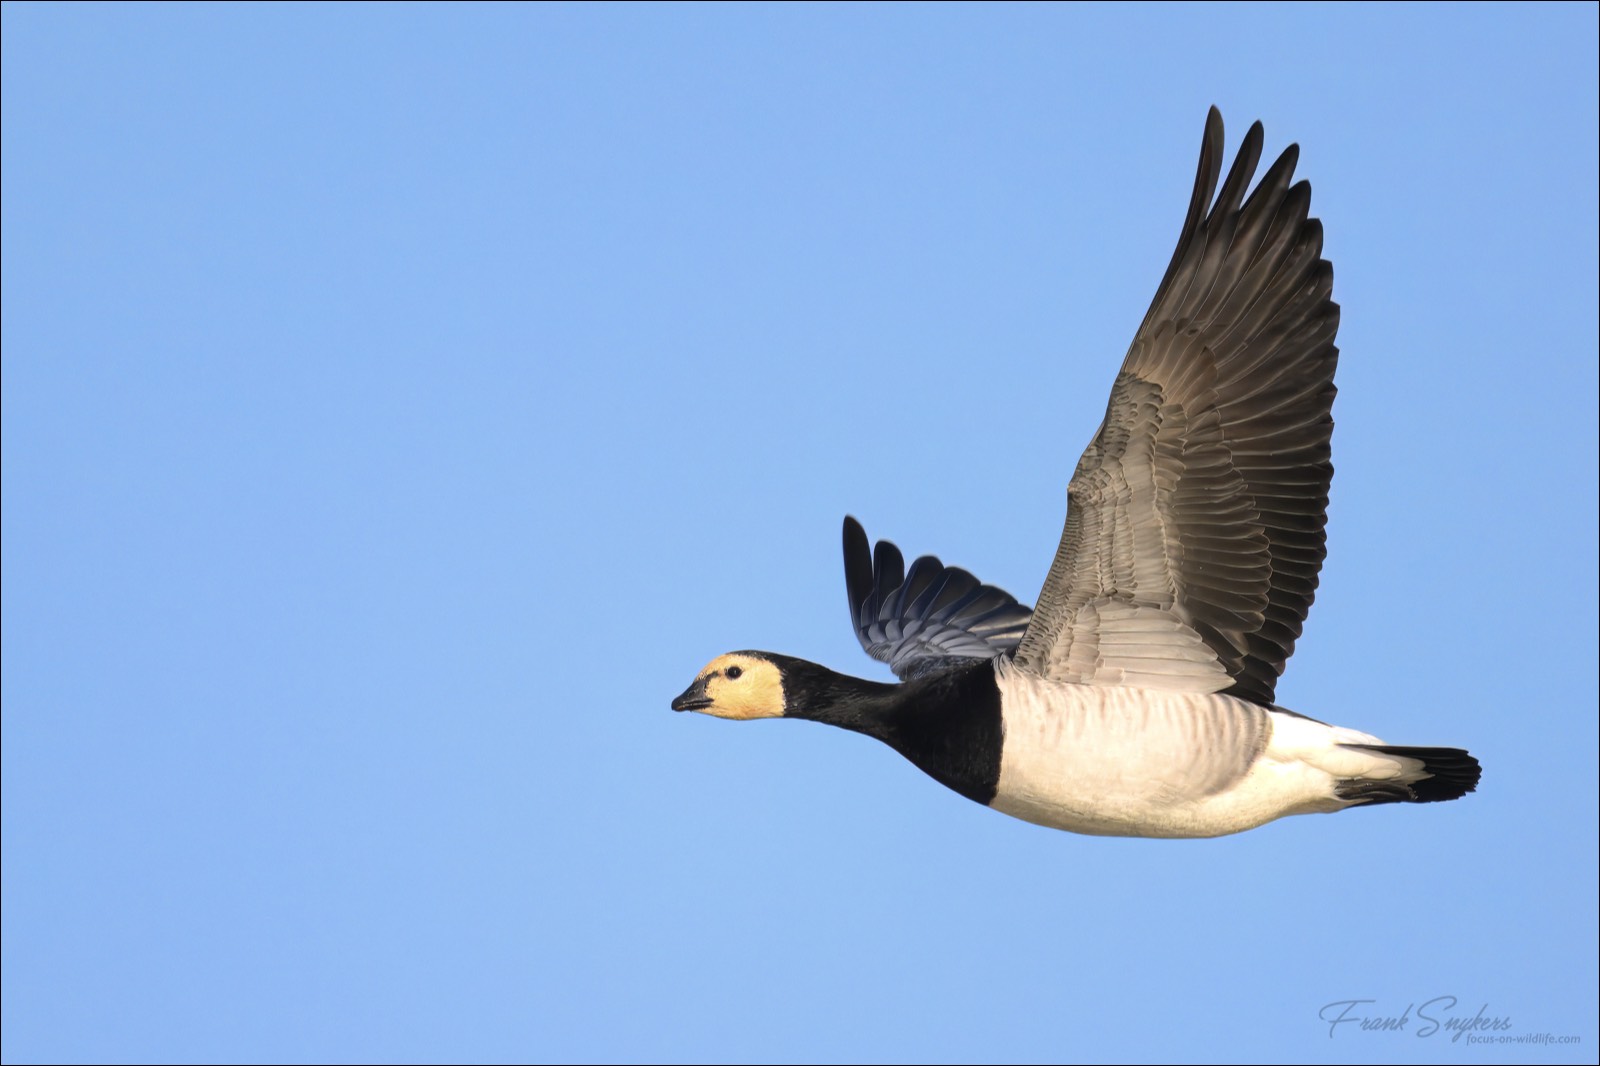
[402, 404]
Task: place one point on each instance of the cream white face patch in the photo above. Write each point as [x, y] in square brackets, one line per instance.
[741, 687]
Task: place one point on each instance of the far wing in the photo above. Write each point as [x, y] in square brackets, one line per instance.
[930, 619]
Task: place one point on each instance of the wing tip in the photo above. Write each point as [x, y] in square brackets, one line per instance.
[858, 584]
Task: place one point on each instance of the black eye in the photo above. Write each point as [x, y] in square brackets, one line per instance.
[734, 672]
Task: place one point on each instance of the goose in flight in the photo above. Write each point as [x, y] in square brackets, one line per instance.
[1136, 698]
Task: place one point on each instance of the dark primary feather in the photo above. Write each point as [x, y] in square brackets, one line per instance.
[1194, 530]
[930, 619]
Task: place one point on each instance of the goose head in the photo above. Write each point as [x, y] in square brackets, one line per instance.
[740, 685]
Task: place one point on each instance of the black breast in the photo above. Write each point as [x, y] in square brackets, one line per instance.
[949, 726]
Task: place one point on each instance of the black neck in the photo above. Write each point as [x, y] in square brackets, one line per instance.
[817, 694]
[948, 725]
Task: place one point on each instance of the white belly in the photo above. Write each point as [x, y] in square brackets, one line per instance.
[1145, 762]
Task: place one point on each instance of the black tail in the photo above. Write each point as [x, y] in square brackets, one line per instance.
[1447, 774]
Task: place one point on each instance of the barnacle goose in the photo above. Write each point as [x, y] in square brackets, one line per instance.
[1136, 698]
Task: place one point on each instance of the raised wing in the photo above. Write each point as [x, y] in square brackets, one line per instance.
[1194, 529]
[929, 620]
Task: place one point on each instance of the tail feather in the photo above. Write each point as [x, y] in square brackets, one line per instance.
[1445, 774]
